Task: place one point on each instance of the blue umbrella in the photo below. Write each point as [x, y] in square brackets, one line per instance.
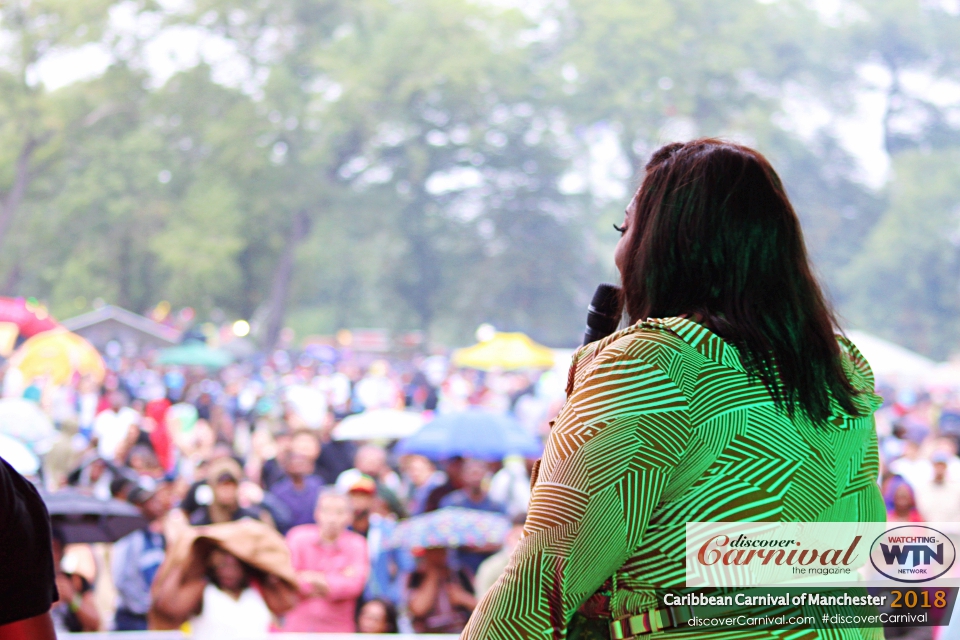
[475, 433]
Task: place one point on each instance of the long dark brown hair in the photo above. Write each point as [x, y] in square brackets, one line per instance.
[717, 238]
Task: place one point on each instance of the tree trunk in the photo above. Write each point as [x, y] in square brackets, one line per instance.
[12, 199]
[280, 290]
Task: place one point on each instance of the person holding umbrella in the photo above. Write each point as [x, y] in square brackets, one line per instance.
[440, 599]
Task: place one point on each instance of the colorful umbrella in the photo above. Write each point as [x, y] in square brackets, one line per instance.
[505, 351]
[29, 319]
[475, 433]
[450, 527]
[378, 424]
[57, 355]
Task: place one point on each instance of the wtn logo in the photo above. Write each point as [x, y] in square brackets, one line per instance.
[922, 554]
[912, 553]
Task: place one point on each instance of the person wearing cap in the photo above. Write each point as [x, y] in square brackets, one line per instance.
[224, 476]
[938, 497]
[372, 519]
[362, 491]
[371, 460]
[137, 556]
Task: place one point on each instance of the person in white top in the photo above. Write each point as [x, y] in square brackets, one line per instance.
[938, 495]
[915, 465]
[225, 604]
[112, 426]
[377, 389]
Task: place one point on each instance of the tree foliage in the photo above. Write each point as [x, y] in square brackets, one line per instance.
[435, 164]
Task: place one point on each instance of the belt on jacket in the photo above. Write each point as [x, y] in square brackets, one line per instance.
[649, 621]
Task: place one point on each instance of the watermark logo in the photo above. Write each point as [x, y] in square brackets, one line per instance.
[912, 553]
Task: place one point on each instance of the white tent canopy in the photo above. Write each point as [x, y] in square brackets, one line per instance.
[890, 361]
[897, 365]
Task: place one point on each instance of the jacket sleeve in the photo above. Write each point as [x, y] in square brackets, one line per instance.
[609, 457]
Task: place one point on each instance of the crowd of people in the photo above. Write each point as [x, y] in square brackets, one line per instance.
[254, 444]
[919, 435]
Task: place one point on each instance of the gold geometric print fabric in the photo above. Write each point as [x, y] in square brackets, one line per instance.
[663, 426]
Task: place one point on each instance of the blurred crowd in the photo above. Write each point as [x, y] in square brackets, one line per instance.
[919, 433]
[254, 443]
[305, 531]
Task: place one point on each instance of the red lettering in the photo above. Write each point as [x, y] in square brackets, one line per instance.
[721, 541]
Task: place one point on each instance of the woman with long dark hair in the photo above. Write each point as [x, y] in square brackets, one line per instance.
[728, 398]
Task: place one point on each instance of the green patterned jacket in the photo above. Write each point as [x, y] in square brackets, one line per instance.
[661, 427]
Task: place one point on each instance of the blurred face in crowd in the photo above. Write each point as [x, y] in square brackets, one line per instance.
[304, 449]
[902, 499]
[361, 502]
[144, 461]
[225, 491]
[939, 471]
[282, 440]
[370, 460]
[264, 444]
[435, 558]
[474, 473]
[227, 570]
[333, 515]
[97, 467]
[329, 422]
[419, 470]
[116, 400]
[373, 618]
[454, 469]
[158, 504]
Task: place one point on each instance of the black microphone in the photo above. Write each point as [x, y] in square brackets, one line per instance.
[603, 314]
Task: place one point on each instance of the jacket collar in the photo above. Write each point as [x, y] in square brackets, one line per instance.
[704, 341]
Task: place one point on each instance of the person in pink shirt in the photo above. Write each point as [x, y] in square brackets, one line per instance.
[332, 567]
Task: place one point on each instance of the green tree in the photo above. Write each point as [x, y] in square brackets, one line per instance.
[905, 285]
[33, 124]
